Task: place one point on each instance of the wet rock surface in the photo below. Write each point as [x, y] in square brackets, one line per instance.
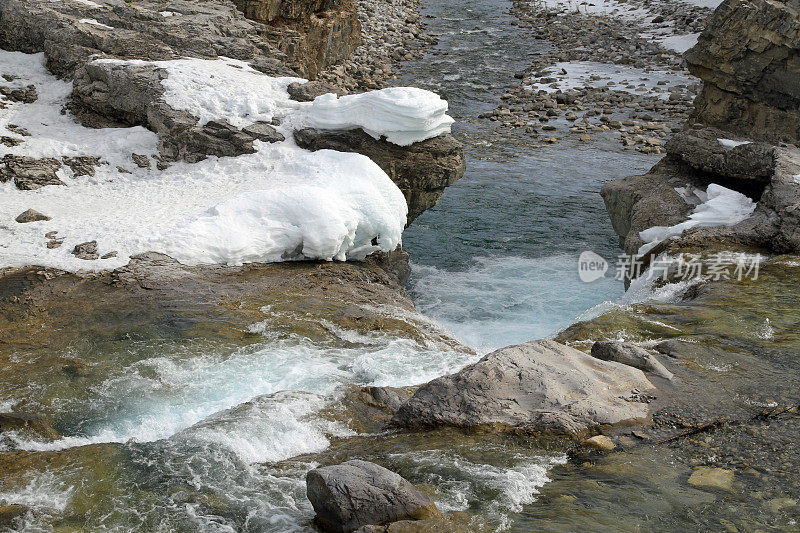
[538, 386]
[359, 493]
[631, 355]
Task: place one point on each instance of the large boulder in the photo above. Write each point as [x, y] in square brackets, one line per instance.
[358, 493]
[421, 171]
[537, 386]
[749, 60]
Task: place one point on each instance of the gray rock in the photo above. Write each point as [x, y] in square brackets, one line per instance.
[700, 148]
[264, 132]
[390, 398]
[359, 493]
[631, 355]
[306, 92]
[31, 215]
[86, 250]
[29, 173]
[421, 171]
[537, 386]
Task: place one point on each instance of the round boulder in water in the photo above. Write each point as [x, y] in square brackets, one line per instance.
[358, 493]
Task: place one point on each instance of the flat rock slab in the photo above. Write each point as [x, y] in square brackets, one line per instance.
[358, 493]
[537, 386]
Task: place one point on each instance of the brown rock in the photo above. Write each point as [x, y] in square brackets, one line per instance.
[31, 215]
[86, 251]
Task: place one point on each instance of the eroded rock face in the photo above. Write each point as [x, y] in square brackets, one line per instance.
[312, 33]
[749, 60]
[537, 386]
[359, 493]
[421, 171]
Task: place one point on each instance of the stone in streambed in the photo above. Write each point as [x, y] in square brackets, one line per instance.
[712, 478]
[537, 386]
[31, 215]
[631, 355]
[358, 493]
[10, 513]
[599, 442]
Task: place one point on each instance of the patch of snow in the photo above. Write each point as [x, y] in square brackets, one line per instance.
[88, 3]
[223, 89]
[723, 207]
[167, 14]
[405, 115]
[94, 22]
[582, 74]
[603, 8]
[280, 203]
[709, 4]
[730, 144]
[679, 43]
[797, 179]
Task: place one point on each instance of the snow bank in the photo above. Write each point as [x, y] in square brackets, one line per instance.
[280, 203]
[731, 144]
[722, 207]
[94, 22]
[405, 115]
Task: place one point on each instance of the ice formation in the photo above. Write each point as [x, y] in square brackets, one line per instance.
[721, 207]
[94, 22]
[280, 203]
[405, 115]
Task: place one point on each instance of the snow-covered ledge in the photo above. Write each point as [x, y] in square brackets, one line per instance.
[280, 203]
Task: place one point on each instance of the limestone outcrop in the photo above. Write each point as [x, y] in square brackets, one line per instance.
[749, 60]
[744, 136]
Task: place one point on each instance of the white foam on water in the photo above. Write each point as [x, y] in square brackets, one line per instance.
[583, 74]
[500, 301]
[44, 491]
[158, 397]
[494, 490]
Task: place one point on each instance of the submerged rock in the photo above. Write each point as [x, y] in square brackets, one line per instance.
[712, 478]
[359, 493]
[11, 514]
[537, 386]
[599, 442]
[631, 355]
[28, 424]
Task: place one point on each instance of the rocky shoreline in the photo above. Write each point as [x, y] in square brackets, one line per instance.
[608, 393]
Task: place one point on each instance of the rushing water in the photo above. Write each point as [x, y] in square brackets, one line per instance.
[496, 260]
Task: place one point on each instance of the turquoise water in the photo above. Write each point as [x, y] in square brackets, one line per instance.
[496, 261]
